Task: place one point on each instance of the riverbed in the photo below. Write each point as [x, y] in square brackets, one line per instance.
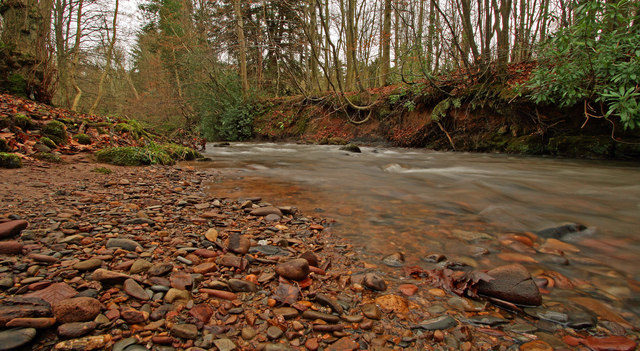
[468, 207]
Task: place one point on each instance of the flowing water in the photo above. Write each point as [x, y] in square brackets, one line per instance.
[422, 202]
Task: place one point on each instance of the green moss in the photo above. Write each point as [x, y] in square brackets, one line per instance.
[102, 170]
[23, 121]
[17, 84]
[48, 143]
[581, 146]
[528, 144]
[10, 160]
[82, 139]
[135, 156]
[56, 131]
[48, 157]
[180, 153]
[133, 127]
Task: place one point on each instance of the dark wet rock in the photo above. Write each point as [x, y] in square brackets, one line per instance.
[351, 148]
[185, 331]
[374, 282]
[12, 228]
[132, 316]
[78, 309]
[486, 320]
[511, 283]
[394, 260]
[125, 244]
[132, 288]
[160, 269]
[296, 269]
[311, 258]
[581, 320]
[14, 338]
[263, 211]
[286, 312]
[239, 244]
[239, 285]
[23, 307]
[329, 318]
[563, 231]
[88, 265]
[438, 323]
[76, 329]
[434, 258]
[272, 217]
[371, 311]
[109, 277]
[329, 302]
[274, 332]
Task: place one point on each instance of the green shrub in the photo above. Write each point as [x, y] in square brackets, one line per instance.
[180, 153]
[82, 139]
[17, 84]
[10, 160]
[23, 121]
[102, 170]
[135, 156]
[48, 143]
[48, 157]
[56, 131]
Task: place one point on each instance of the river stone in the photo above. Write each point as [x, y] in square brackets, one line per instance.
[185, 331]
[38, 323]
[329, 318]
[394, 260]
[78, 309]
[351, 148]
[88, 265]
[10, 247]
[511, 283]
[263, 211]
[125, 244]
[286, 312]
[560, 231]
[109, 277]
[140, 266]
[374, 282]
[296, 269]
[272, 217]
[239, 285]
[14, 338]
[224, 344]
[22, 307]
[211, 235]
[239, 244]
[76, 329]
[371, 311]
[311, 258]
[274, 332]
[438, 323]
[54, 293]
[12, 228]
[160, 269]
[134, 289]
[248, 333]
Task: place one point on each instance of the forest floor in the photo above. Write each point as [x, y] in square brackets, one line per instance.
[147, 257]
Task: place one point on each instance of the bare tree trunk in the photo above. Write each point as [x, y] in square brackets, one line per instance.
[107, 67]
[76, 58]
[385, 43]
[242, 53]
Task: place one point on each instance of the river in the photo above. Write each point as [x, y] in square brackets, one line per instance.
[422, 202]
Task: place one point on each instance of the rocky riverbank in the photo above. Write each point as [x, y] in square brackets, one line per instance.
[124, 258]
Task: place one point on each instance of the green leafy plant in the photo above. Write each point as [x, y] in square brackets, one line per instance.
[596, 61]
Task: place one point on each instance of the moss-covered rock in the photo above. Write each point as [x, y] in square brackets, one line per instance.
[581, 146]
[134, 156]
[48, 143]
[180, 153]
[56, 131]
[48, 157]
[82, 139]
[23, 121]
[8, 160]
[528, 145]
[351, 148]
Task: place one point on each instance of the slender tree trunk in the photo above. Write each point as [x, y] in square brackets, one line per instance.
[107, 67]
[76, 58]
[385, 43]
[242, 53]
